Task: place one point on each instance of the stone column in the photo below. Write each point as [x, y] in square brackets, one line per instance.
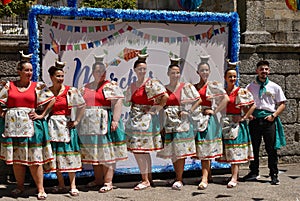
[255, 23]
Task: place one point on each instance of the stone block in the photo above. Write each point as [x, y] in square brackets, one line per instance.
[298, 118]
[246, 79]
[290, 115]
[293, 86]
[284, 63]
[292, 146]
[8, 67]
[248, 63]
[269, 13]
[278, 79]
[285, 25]
[296, 25]
[271, 25]
[257, 37]
[293, 37]
[280, 37]
[255, 15]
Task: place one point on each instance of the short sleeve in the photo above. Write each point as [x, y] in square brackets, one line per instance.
[4, 87]
[214, 89]
[189, 93]
[75, 99]
[112, 90]
[43, 93]
[154, 89]
[244, 97]
[280, 97]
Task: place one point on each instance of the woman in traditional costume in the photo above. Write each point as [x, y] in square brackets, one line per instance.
[147, 97]
[207, 127]
[25, 140]
[101, 130]
[236, 136]
[179, 142]
[64, 137]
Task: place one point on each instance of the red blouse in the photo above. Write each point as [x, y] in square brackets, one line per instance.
[17, 98]
[96, 98]
[202, 93]
[139, 95]
[60, 106]
[174, 97]
[231, 106]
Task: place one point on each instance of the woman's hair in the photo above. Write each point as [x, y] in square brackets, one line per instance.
[137, 62]
[21, 64]
[53, 69]
[58, 66]
[203, 63]
[228, 69]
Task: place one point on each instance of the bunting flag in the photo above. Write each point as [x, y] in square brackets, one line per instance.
[126, 54]
[83, 29]
[5, 2]
[114, 62]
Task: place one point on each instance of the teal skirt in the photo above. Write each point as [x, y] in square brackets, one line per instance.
[35, 150]
[238, 150]
[66, 155]
[178, 145]
[209, 142]
[103, 149]
[144, 141]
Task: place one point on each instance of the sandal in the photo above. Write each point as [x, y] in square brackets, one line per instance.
[106, 187]
[177, 185]
[202, 186]
[41, 196]
[17, 192]
[59, 190]
[74, 192]
[141, 186]
[231, 184]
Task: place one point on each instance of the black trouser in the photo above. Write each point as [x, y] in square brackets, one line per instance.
[262, 128]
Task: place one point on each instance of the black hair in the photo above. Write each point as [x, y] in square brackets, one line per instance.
[137, 62]
[203, 63]
[228, 69]
[21, 64]
[53, 69]
[262, 63]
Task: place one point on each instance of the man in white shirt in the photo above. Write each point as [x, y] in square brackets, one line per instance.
[270, 102]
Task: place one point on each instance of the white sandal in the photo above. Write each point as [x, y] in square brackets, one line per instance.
[177, 185]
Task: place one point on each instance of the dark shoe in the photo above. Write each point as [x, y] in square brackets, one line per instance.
[251, 177]
[274, 180]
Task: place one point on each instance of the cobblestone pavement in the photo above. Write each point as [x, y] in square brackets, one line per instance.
[289, 189]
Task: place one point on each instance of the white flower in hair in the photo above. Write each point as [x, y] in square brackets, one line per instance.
[25, 57]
